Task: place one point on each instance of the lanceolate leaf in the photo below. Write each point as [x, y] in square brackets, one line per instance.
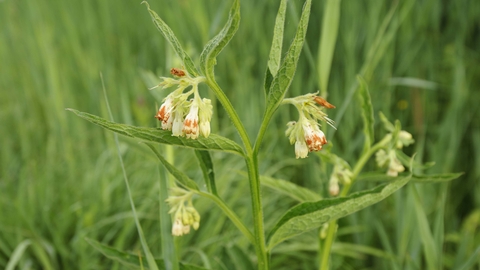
[213, 142]
[172, 39]
[132, 260]
[367, 112]
[416, 178]
[284, 77]
[276, 49]
[311, 215]
[216, 45]
[290, 189]
[206, 165]
[182, 178]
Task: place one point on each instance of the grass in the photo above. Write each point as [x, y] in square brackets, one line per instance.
[61, 181]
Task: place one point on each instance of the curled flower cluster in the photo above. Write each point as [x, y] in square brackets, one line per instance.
[388, 157]
[180, 115]
[341, 174]
[306, 133]
[185, 214]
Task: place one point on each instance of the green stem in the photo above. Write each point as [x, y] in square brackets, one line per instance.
[332, 228]
[230, 214]
[253, 175]
[332, 225]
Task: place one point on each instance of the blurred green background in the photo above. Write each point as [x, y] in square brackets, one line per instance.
[61, 181]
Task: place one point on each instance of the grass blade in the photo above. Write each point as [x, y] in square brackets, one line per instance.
[150, 260]
[331, 19]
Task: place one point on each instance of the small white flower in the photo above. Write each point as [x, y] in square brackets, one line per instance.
[177, 228]
[404, 139]
[164, 112]
[333, 187]
[204, 117]
[186, 229]
[190, 125]
[301, 149]
[177, 125]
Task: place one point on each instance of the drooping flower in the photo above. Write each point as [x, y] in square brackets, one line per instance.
[165, 112]
[314, 137]
[204, 117]
[190, 125]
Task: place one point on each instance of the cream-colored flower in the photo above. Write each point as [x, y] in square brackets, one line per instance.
[190, 125]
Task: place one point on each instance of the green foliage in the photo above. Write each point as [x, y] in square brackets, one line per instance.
[61, 179]
[311, 215]
[132, 260]
[213, 142]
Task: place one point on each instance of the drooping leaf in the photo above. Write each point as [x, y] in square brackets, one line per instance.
[206, 164]
[277, 42]
[156, 135]
[215, 45]
[182, 178]
[311, 215]
[290, 189]
[284, 77]
[416, 178]
[367, 113]
[172, 39]
[132, 260]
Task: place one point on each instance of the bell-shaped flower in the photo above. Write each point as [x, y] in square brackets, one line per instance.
[190, 125]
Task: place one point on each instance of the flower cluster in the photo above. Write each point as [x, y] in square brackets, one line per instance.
[182, 116]
[185, 214]
[388, 157]
[305, 133]
[341, 174]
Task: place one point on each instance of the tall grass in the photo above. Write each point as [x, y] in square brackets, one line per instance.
[60, 179]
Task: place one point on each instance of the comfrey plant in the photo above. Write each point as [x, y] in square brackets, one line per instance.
[185, 122]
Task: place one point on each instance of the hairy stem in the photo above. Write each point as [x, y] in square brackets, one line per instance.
[253, 175]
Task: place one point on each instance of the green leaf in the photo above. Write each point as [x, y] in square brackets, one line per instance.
[284, 77]
[132, 260]
[213, 142]
[331, 18]
[311, 215]
[206, 165]
[172, 39]
[277, 42]
[416, 178]
[367, 113]
[215, 45]
[182, 178]
[290, 189]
